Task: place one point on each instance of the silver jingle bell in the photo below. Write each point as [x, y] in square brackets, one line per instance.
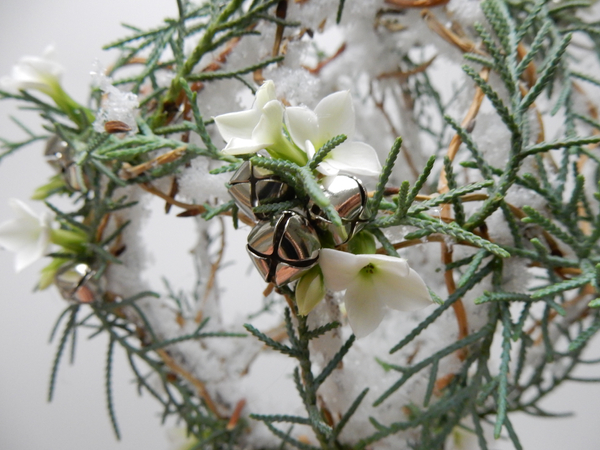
[58, 154]
[77, 283]
[283, 250]
[253, 186]
[349, 198]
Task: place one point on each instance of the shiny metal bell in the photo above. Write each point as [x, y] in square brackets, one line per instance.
[349, 198]
[58, 153]
[77, 283]
[253, 186]
[60, 156]
[285, 248]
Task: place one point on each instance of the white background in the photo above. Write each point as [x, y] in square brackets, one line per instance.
[77, 418]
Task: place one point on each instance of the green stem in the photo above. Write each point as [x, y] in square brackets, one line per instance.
[310, 397]
[70, 240]
[79, 114]
[284, 149]
[203, 46]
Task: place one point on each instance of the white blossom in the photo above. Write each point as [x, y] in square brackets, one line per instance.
[28, 235]
[254, 129]
[258, 128]
[372, 282]
[34, 72]
[334, 115]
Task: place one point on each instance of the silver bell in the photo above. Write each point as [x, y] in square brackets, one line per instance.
[58, 154]
[253, 186]
[284, 250]
[349, 198]
[77, 283]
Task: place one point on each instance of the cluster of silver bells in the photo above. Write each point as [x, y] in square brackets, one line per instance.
[286, 245]
[76, 282]
[281, 246]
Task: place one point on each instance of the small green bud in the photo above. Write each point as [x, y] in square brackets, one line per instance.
[48, 273]
[310, 290]
[363, 243]
[70, 240]
[43, 192]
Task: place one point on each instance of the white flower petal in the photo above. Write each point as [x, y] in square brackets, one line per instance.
[268, 129]
[336, 116]
[22, 211]
[264, 95]
[243, 147]
[390, 264]
[327, 169]
[407, 293]
[365, 309]
[309, 149]
[28, 235]
[355, 158]
[31, 252]
[252, 130]
[15, 234]
[302, 124]
[33, 72]
[237, 124]
[339, 268]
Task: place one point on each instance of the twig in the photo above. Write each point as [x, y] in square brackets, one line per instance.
[128, 172]
[199, 385]
[463, 43]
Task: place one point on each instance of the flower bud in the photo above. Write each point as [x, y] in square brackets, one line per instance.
[363, 243]
[310, 290]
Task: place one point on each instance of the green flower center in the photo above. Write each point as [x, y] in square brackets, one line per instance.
[369, 269]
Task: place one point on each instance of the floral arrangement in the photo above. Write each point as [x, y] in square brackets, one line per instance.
[417, 180]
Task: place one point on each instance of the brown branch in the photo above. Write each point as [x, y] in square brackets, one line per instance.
[416, 3]
[213, 271]
[268, 289]
[172, 193]
[322, 64]
[530, 73]
[187, 206]
[199, 385]
[404, 74]
[467, 122]
[463, 43]
[280, 13]
[587, 290]
[235, 417]
[395, 132]
[128, 172]
[457, 306]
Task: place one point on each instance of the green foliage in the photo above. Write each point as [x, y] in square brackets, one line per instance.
[552, 239]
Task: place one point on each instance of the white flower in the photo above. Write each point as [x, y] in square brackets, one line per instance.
[28, 235]
[255, 129]
[334, 115]
[372, 282]
[33, 72]
[260, 127]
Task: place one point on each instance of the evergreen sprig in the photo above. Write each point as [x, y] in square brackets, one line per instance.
[560, 239]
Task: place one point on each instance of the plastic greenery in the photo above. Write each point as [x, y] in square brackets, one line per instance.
[514, 216]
